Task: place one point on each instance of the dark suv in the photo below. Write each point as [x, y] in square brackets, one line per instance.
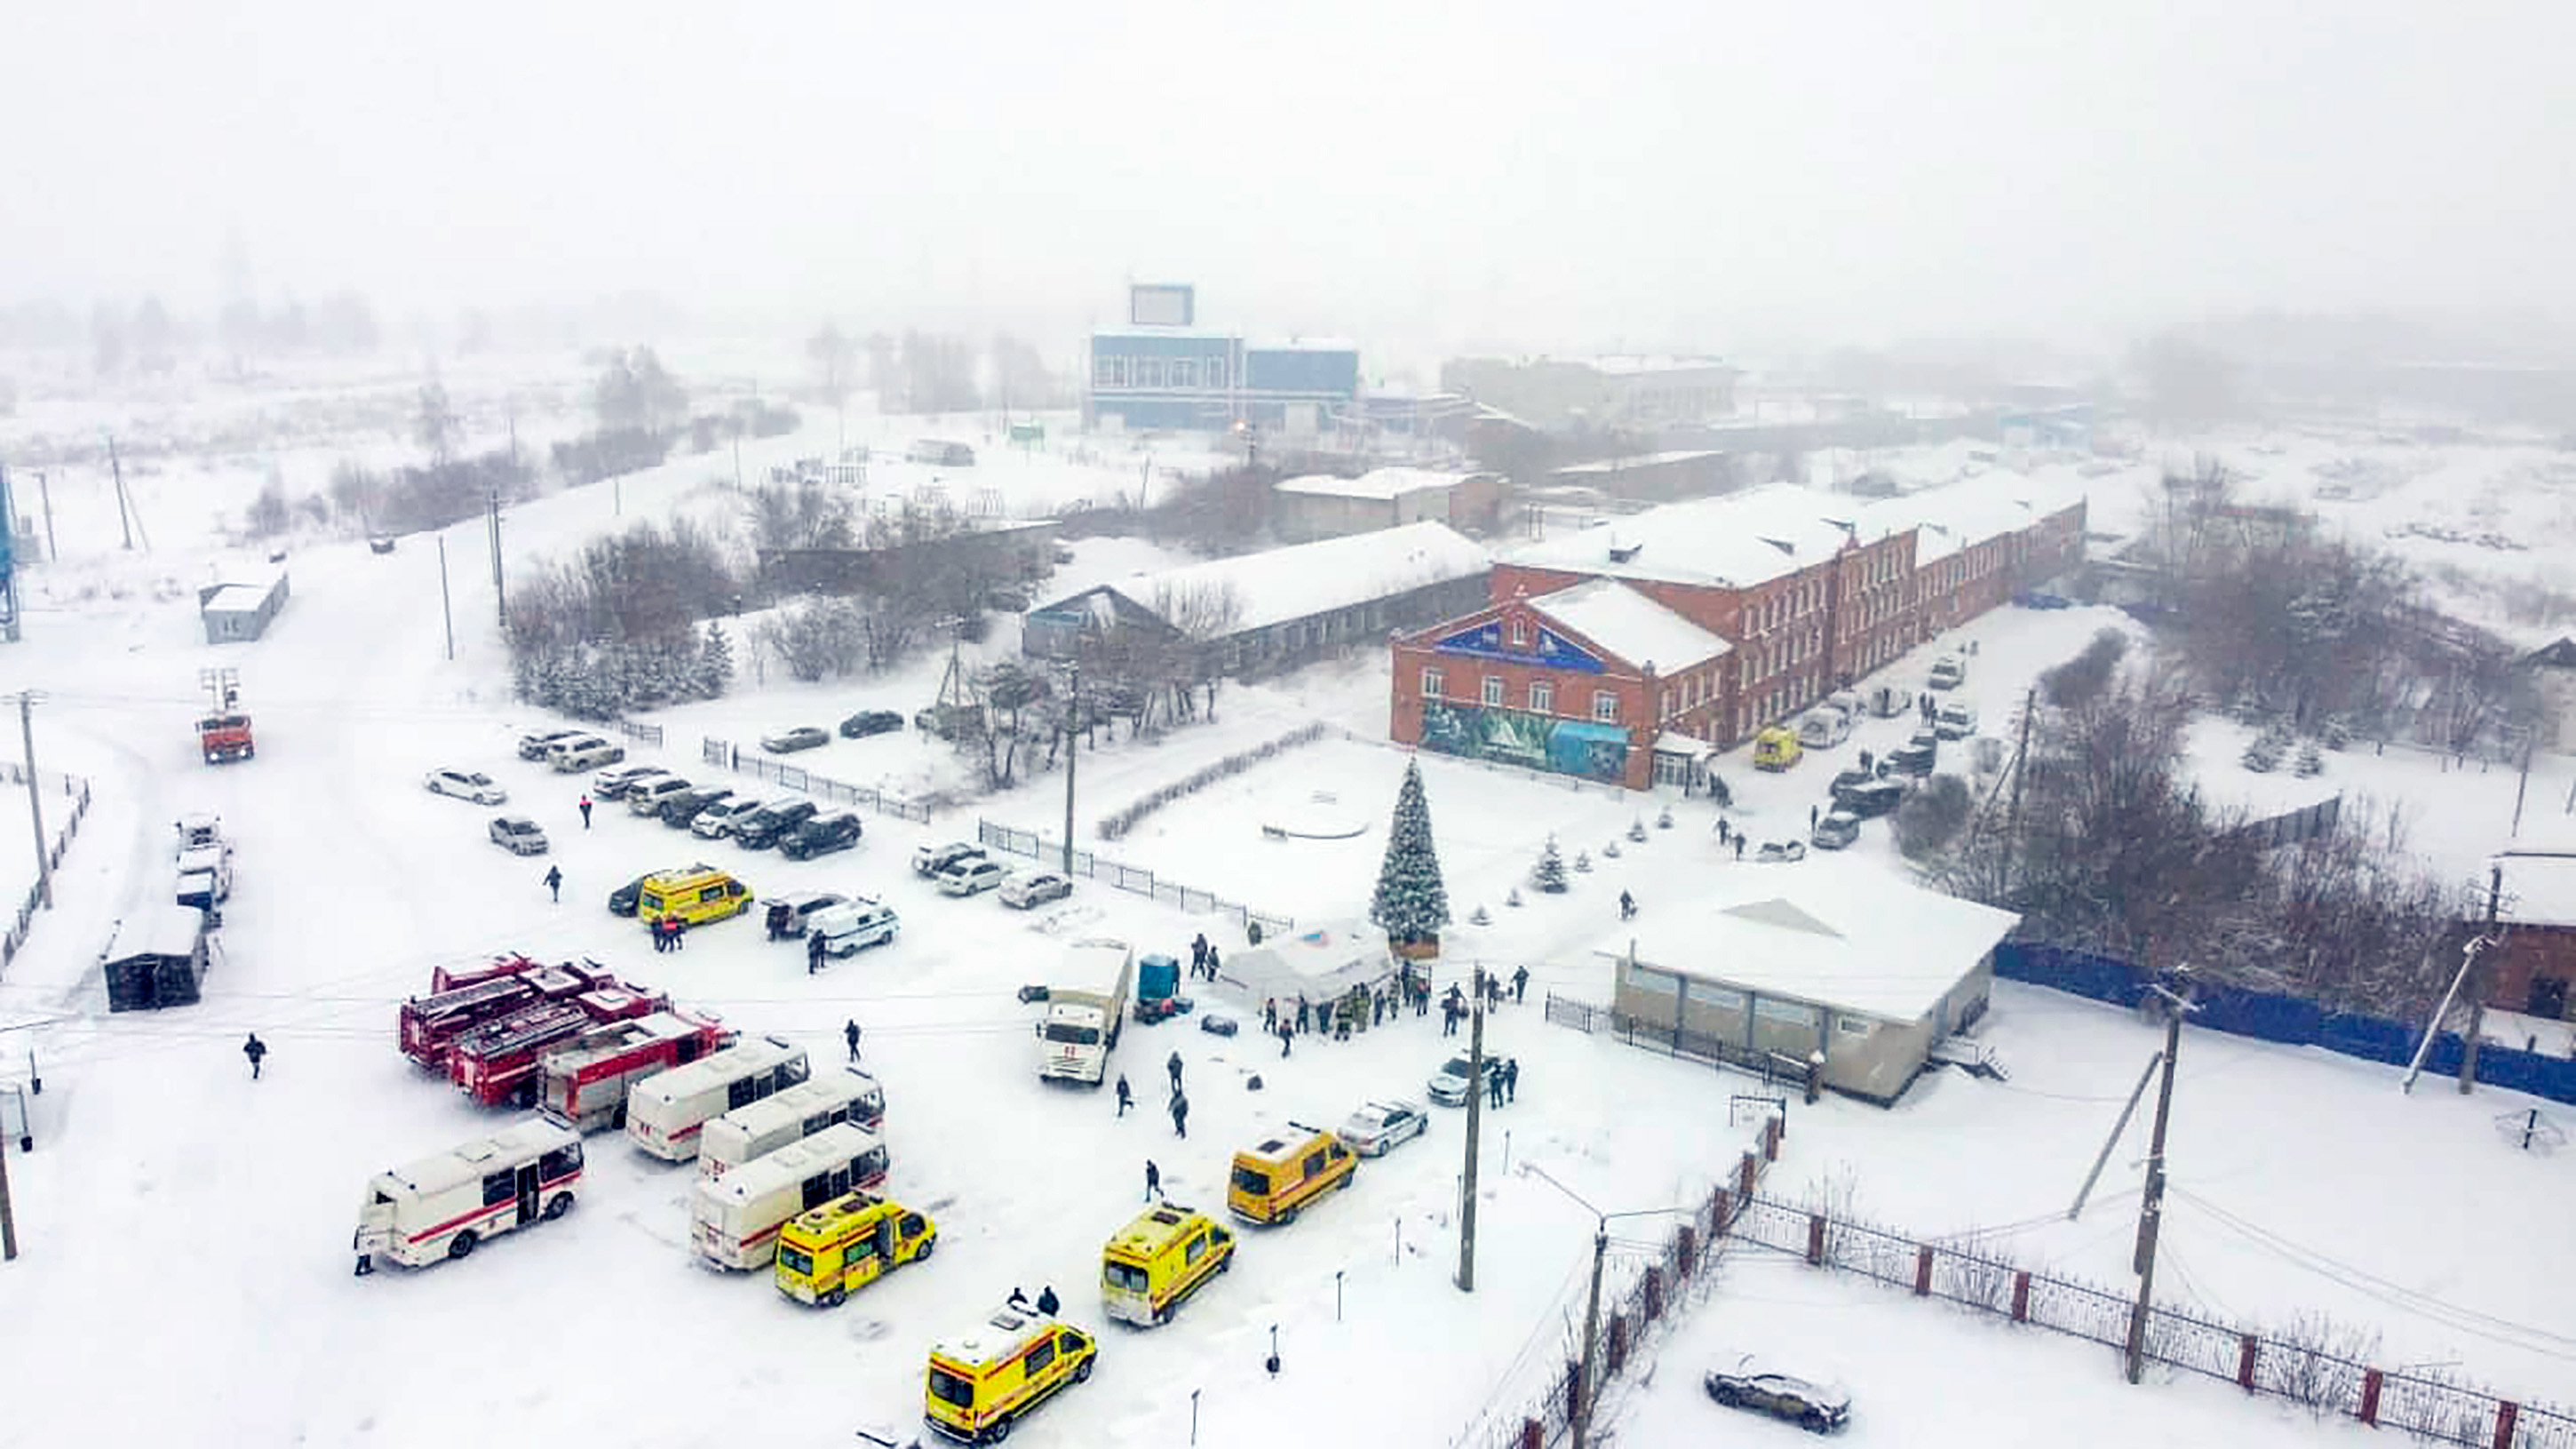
[766, 828]
[682, 808]
[820, 836]
[870, 722]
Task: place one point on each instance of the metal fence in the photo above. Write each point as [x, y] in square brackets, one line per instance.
[1133, 879]
[1773, 1068]
[724, 754]
[1644, 1298]
[25, 919]
[640, 733]
[2303, 1364]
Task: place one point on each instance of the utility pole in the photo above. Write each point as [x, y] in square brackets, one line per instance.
[2151, 1207]
[1072, 750]
[500, 601]
[123, 514]
[8, 1217]
[1475, 1122]
[1586, 1391]
[446, 609]
[2477, 984]
[2530, 742]
[2021, 768]
[45, 494]
[35, 796]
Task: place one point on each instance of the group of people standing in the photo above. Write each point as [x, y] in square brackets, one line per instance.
[669, 933]
[1204, 960]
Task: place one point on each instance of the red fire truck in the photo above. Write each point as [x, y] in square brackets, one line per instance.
[497, 1063]
[464, 998]
[585, 1080]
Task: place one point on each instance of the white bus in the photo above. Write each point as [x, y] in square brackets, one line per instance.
[845, 1095]
[665, 1111]
[440, 1207]
[737, 1216]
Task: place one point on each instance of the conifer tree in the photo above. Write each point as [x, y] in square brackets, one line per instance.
[1549, 874]
[714, 673]
[1412, 903]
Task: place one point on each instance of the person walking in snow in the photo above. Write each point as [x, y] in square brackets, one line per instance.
[1180, 1115]
[1520, 984]
[1198, 958]
[1153, 1180]
[256, 1050]
[1303, 1011]
[850, 1034]
[1048, 1303]
[1126, 1098]
[1739, 846]
[554, 882]
[585, 812]
[1494, 1084]
[1173, 1066]
[814, 950]
[1212, 963]
[1285, 1037]
[1627, 906]
[1511, 1080]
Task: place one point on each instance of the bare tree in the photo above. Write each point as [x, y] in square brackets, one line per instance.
[435, 423]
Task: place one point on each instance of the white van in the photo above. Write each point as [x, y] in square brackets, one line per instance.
[1949, 672]
[736, 1217]
[1824, 727]
[440, 1207]
[844, 1094]
[1956, 720]
[853, 927]
[666, 1112]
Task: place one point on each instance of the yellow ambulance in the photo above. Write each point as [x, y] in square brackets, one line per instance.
[1273, 1182]
[1776, 748]
[1161, 1258]
[825, 1253]
[982, 1381]
[697, 895]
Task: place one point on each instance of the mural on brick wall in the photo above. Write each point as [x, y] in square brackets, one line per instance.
[1531, 741]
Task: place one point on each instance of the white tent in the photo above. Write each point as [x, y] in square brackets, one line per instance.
[1319, 963]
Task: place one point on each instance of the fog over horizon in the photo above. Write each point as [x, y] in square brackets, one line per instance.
[1416, 177]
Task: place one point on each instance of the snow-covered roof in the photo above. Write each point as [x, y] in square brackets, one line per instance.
[164, 928]
[1141, 329]
[461, 1165]
[1736, 541]
[1316, 578]
[1830, 931]
[2539, 885]
[1301, 344]
[1973, 511]
[1380, 484]
[1669, 743]
[1630, 625]
[237, 598]
[1641, 460]
[1627, 365]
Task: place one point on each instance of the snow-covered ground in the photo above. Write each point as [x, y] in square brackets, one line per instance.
[178, 1216]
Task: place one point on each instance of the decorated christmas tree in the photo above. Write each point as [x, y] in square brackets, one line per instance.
[1412, 903]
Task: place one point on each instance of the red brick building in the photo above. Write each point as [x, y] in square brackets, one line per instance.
[1589, 680]
[1809, 592]
[2535, 970]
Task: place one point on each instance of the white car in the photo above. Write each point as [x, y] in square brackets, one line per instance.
[718, 820]
[930, 860]
[851, 928]
[466, 785]
[1037, 888]
[648, 796]
[967, 877]
[518, 835]
[1449, 1084]
[1379, 1125]
[613, 784]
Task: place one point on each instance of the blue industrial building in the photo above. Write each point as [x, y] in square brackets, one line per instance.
[1163, 372]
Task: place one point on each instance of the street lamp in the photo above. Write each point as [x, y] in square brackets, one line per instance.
[1586, 1390]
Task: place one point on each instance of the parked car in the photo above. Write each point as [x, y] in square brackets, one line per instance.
[647, 797]
[1817, 1408]
[2036, 599]
[855, 925]
[1839, 828]
[789, 917]
[1217, 1025]
[1382, 1124]
[1949, 672]
[871, 722]
[466, 785]
[970, 876]
[1871, 799]
[930, 860]
[518, 834]
[718, 820]
[621, 901]
[821, 836]
[1036, 888]
[1846, 780]
[788, 742]
[613, 784]
[769, 824]
[1778, 852]
[583, 752]
[1955, 720]
[534, 747]
[1449, 1085]
[680, 811]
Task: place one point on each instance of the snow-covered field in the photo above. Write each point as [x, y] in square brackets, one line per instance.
[185, 1228]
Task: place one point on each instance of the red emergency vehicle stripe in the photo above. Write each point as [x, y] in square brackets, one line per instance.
[458, 1222]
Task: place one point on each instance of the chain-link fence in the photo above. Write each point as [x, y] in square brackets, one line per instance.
[726, 755]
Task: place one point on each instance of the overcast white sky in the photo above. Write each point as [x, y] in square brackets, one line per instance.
[1548, 174]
